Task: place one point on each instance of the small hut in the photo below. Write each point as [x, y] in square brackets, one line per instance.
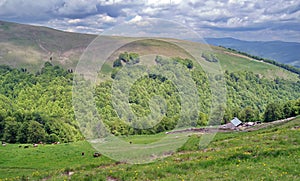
[233, 124]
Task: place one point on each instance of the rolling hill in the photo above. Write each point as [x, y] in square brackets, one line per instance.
[26, 46]
[36, 83]
[31, 46]
[283, 52]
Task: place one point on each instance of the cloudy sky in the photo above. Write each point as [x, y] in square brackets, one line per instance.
[242, 19]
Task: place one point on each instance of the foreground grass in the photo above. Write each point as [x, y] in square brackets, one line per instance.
[268, 154]
[46, 160]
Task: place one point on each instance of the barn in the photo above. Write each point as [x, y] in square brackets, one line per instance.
[236, 122]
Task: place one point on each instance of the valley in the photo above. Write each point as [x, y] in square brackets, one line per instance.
[37, 110]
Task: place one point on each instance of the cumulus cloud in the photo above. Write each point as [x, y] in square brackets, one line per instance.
[136, 19]
[20, 10]
[210, 17]
[74, 21]
[76, 8]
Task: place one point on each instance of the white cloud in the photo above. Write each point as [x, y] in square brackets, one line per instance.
[139, 21]
[74, 21]
[150, 11]
[107, 19]
[136, 19]
[162, 2]
[212, 14]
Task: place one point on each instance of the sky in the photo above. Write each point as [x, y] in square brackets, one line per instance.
[255, 20]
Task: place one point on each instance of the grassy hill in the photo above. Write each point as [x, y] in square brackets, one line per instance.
[26, 46]
[271, 153]
[31, 46]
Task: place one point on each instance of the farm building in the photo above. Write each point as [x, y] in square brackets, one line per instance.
[233, 124]
[236, 122]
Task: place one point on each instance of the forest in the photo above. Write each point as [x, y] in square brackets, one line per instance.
[38, 107]
[249, 97]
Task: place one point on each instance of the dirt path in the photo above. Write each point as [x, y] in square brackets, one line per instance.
[240, 128]
[199, 130]
[242, 56]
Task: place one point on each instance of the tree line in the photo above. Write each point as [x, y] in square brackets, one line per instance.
[284, 66]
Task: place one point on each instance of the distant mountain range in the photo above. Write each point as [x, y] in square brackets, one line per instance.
[283, 52]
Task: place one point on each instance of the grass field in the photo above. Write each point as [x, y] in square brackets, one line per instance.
[235, 63]
[46, 159]
[144, 139]
[272, 153]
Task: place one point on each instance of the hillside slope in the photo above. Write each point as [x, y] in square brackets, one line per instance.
[26, 46]
[31, 46]
[271, 153]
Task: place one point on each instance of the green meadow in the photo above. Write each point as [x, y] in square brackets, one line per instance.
[271, 153]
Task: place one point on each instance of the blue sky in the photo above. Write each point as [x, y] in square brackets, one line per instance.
[243, 19]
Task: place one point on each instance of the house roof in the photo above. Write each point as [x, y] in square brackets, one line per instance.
[236, 122]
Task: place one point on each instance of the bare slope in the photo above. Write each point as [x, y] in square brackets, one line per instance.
[30, 46]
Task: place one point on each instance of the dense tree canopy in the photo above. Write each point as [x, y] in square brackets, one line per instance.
[38, 107]
[248, 96]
